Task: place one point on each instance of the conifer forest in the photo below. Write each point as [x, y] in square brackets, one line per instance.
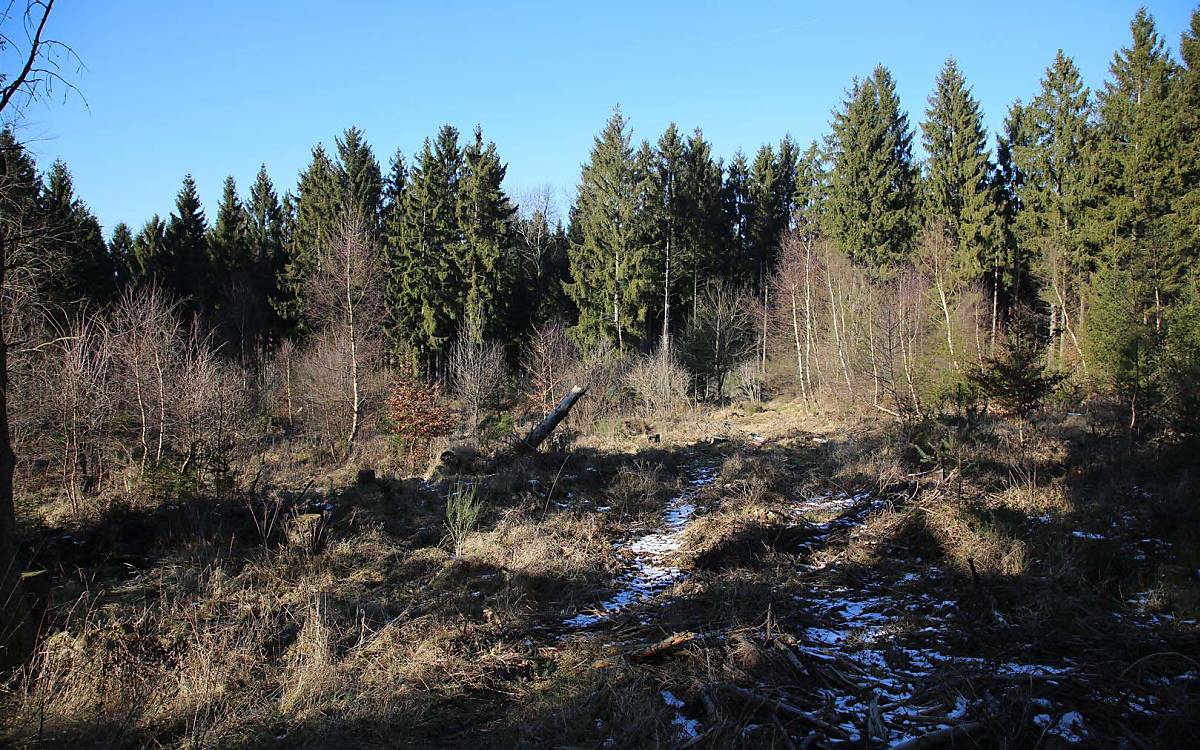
[888, 439]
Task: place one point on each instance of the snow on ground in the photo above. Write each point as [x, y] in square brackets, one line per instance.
[895, 638]
[650, 571]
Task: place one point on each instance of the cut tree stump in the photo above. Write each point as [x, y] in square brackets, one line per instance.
[542, 431]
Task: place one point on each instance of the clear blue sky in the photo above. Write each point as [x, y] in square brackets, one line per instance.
[218, 87]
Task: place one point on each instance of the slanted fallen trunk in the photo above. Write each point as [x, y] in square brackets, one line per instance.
[542, 431]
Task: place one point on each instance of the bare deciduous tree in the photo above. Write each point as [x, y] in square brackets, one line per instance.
[476, 370]
[346, 310]
[549, 362]
[659, 382]
[722, 335]
[34, 79]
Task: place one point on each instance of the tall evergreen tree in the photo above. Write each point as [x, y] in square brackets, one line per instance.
[360, 181]
[704, 230]
[664, 205]
[873, 186]
[120, 249]
[186, 244]
[394, 246]
[228, 248]
[610, 283]
[771, 195]
[1057, 194]
[735, 254]
[484, 217]
[811, 191]
[265, 240]
[315, 220]
[86, 272]
[425, 290]
[959, 180]
[150, 262]
[1138, 172]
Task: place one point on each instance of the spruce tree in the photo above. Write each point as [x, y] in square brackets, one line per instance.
[958, 177]
[425, 290]
[766, 214]
[120, 249]
[873, 188]
[704, 230]
[1138, 171]
[315, 219]
[265, 241]
[811, 191]
[734, 255]
[393, 248]
[86, 271]
[1017, 285]
[1057, 195]
[484, 217]
[150, 262]
[1187, 105]
[228, 249]
[186, 244]
[787, 165]
[360, 182]
[610, 283]
[665, 208]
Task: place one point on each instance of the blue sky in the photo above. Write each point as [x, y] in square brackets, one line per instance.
[219, 87]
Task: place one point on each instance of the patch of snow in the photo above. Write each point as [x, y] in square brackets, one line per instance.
[648, 573]
[1086, 535]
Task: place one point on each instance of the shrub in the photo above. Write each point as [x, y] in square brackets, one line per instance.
[462, 513]
[417, 414]
[659, 382]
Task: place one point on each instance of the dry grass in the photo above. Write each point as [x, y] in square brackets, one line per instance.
[215, 635]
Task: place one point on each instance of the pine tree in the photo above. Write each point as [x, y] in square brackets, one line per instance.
[771, 194]
[610, 283]
[393, 248]
[787, 165]
[186, 244]
[315, 217]
[1187, 105]
[959, 180]
[484, 217]
[1057, 195]
[664, 209]
[873, 186]
[1017, 284]
[811, 191]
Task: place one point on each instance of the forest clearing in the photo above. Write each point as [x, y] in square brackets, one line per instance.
[884, 441]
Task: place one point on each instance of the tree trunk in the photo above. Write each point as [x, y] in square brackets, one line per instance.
[542, 431]
[16, 633]
[667, 296]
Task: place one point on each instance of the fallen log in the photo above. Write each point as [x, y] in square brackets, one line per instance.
[662, 647]
[542, 431]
